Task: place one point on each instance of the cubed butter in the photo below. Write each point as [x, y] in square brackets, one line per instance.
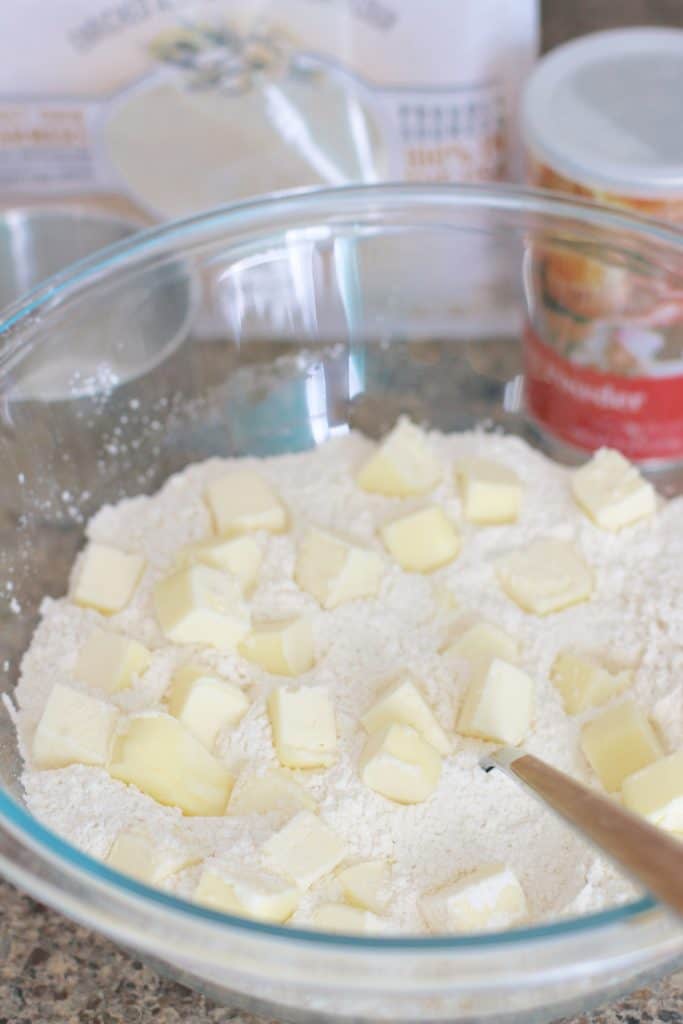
[163, 759]
[136, 853]
[546, 576]
[340, 917]
[488, 899]
[243, 501]
[200, 605]
[240, 556]
[482, 643]
[334, 570]
[400, 765]
[491, 493]
[403, 702]
[499, 703]
[366, 885]
[205, 703]
[583, 682]
[74, 728]
[612, 492]
[422, 541]
[656, 792]
[105, 578]
[403, 464]
[619, 742]
[304, 728]
[304, 850]
[111, 661]
[283, 648]
[275, 790]
[248, 893]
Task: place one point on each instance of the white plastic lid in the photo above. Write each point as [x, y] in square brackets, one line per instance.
[606, 111]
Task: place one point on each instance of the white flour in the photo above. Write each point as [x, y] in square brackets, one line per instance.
[636, 615]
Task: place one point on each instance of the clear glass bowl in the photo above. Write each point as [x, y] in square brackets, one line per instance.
[302, 315]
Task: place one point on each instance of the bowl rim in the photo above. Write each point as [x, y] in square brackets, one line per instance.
[259, 213]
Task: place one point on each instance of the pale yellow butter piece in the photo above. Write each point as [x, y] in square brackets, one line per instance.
[367, 885]
[274, 790]
[584, 683]
[304, 728]
[240, 556]
[340, 917]
[491, 493]
[612, 492]
[200, 605]
[499, 703]
[488, 899]
[422, 541]
[403, 702]
[283, 648]
[105, 578]
[546, 576]
[482, 643]
[162, 758]
[111, 661]
[618, 742]
[400, 765]
[248, 893]
[138, 854]
[304, 850]
[403, 464]
[74, 728]
[656, 792]
[334, 570]
[242, 501]
[205, 703]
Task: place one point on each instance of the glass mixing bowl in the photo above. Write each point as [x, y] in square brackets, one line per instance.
[311, 313]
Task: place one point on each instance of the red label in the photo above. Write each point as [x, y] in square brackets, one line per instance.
[641, 416]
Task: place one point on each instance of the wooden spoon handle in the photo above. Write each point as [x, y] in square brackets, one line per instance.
[651, 856]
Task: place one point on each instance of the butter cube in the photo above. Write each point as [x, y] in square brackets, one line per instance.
[481, 643]
[584, 683]
[240, 556]
[283, 648]
[340, 917]
[204, 703]
[491, 493]
[243, 501]
[110, 661]
[402, 465]
[612, 492]
[162, 758]
[499, 703]
[488, 899]
[619, 742]
[304, 729]
[73, 729]
[138, 854]
[105, 578]
[656, 792]
[202, 606]
[400, 765]
[403, 702]
[304, 850]
[545, 577]
[248, 893]
[366, 885]
[275, 790]
[422, 541]
[335, 571]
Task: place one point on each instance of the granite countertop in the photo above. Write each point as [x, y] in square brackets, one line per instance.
[55, 972]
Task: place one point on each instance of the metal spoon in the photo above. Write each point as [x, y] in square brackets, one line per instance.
[651, 856]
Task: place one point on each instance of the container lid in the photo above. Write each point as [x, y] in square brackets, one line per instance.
[605, 111]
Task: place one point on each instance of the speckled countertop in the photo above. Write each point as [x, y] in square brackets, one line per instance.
[54, 972]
